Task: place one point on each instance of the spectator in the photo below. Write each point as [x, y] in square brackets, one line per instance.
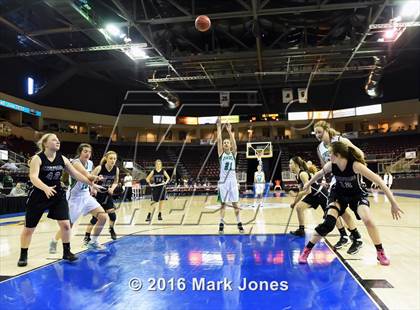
[9, 166]
[277, 185]
[7, 180]
[128, 187]
[17, 191]
[388, 178]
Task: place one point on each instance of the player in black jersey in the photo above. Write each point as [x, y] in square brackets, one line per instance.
[157, 179]
[45, 171]
[315, 196]
[326, 135]
[348, 167]
[109, 173]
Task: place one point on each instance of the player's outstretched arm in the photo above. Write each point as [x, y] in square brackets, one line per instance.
[219, 136]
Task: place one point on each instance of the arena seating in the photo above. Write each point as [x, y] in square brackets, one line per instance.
[193, 157]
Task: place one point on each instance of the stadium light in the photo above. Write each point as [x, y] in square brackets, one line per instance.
[390, 33]
[113, 30]
[410, 9]
[30, 82]
[136, 53]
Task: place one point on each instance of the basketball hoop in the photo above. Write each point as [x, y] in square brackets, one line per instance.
[259, 150]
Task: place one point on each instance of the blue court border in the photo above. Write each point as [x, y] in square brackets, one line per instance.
[343, 261]
[368, 291]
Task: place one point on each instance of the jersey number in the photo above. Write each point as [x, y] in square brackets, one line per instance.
[228, 166]
[346, 184]
[52, 176]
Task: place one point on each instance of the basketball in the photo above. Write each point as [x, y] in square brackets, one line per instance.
[202, 23]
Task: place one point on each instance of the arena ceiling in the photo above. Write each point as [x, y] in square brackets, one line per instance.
[252, 44]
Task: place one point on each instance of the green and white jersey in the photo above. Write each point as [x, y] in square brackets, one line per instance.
[324, 151]
[259, 177]
[77, 187]
[227, 167]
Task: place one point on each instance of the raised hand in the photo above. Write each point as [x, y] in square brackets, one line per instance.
[229, 127]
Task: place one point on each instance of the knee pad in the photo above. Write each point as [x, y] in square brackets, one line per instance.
[93, 220]
[326, 226]
[112, 216]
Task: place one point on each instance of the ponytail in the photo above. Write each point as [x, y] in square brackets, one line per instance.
[312, 169]
[356, 155]
[301, 163]
[103, 160]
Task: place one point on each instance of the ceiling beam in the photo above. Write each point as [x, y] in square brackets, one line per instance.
[43, 32]
[362, 39]
[257, 34]
[19, 5]
[322, 71]
[264, 4]
[276, 11]
[189, 42]
[277, 40]
[179, 7]
[244, 5]
[208, 77]
[279, 53]
[129, 18]
[227, 33]
[34, 40]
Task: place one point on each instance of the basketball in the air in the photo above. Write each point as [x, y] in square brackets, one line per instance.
[202, 23]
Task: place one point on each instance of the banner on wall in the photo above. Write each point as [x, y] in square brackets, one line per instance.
[287, 95]
[303, 95]
[411, 155]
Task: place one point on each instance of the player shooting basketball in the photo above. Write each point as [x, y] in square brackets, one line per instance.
[228, 184]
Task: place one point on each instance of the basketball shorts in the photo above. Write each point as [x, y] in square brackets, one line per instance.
[353, 202]
[38, 203]
[259, 188]
[228, 191]
[105, 200]
[314, 200]
[158, 193]
[81, 205]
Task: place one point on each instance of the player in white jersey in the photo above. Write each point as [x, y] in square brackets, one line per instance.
[327, 135]
[228, 185]
[79, 199]
[259, 182]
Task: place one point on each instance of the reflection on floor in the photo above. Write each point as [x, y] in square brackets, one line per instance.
[183, 272]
